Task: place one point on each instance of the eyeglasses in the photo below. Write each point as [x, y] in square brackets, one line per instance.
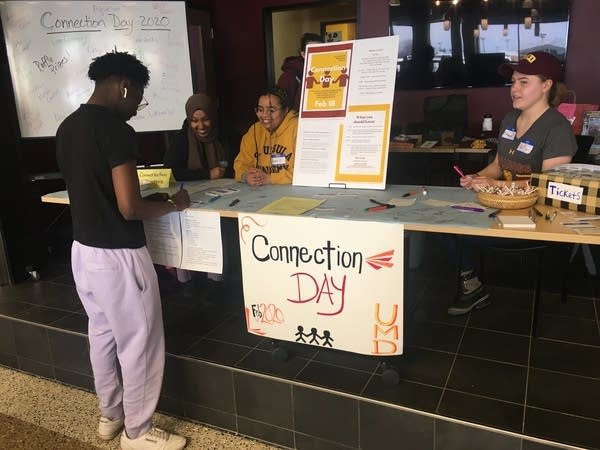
[271, 110]
[142, 104]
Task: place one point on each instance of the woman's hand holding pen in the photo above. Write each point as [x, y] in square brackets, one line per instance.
[468, 181]
[471, 181]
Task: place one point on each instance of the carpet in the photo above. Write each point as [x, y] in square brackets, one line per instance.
[16, 434]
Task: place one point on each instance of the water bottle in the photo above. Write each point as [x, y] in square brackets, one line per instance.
[487, 126]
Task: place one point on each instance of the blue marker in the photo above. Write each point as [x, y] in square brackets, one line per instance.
[212, 199]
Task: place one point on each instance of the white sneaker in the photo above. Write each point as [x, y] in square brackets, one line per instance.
[108, 429]
[155, 439]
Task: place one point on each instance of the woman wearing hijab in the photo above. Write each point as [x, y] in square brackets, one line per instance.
[197, 151]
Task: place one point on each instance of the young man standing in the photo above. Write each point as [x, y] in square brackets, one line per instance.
[114, 275]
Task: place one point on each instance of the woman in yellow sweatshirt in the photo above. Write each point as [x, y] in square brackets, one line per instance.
[267, 149]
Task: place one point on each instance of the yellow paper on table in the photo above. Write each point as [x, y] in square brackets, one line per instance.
[291, 206]
[158, 178]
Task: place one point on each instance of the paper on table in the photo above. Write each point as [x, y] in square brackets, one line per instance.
[292, 206]
[192, 188]
[515, 222]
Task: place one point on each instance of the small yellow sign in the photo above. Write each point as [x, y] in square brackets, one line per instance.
[158, 178]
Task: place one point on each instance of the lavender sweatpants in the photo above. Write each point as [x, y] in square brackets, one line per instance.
[119, 291]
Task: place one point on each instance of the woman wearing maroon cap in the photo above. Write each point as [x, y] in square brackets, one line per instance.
[534, 137]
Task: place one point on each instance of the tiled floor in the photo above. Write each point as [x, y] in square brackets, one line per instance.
[483, 368]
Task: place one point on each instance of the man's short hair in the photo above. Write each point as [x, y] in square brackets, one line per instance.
[309, 37]
[120, 64]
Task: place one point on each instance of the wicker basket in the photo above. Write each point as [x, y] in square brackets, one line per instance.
[507, 201]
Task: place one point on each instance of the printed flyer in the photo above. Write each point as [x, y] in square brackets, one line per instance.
[345, 113]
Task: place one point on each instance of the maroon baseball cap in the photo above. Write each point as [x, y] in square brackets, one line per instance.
[534, 63]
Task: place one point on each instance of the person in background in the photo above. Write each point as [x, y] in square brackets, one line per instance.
[534, 137]
[293, 66]
[114, 276]
[198, 151]
[267, 149]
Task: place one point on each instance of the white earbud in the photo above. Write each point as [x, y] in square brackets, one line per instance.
[124, 92]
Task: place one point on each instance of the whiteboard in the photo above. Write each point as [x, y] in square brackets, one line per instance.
[50, 45]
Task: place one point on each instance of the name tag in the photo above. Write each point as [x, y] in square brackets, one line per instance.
[509, 134]
[565, 192]
[525, 147]
[278, 159]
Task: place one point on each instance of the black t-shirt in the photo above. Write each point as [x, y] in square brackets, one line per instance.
[89, 144]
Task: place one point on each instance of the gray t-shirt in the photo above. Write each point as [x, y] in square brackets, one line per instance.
[550, 136]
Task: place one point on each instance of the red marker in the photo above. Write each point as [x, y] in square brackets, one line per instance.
[458, 170]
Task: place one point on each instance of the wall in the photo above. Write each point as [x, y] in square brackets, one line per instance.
[583, 58]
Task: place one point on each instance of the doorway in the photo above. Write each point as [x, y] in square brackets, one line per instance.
[284, 27]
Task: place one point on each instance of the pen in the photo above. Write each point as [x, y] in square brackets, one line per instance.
[458, 170]
[212, 199]
[408, 194]
[467, 208]
[493, 214]
[377, 202]
[380, 208]
[553, 216]
[234, 202]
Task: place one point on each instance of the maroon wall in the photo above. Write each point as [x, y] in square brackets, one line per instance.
[583, 57]
[240, 54]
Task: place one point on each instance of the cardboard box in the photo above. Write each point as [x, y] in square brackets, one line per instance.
[576, 188]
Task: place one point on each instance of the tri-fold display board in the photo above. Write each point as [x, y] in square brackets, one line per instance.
[50, 45]
[345, 113]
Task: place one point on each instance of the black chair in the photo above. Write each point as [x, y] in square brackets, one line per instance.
[584, 143]
[537, 251]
